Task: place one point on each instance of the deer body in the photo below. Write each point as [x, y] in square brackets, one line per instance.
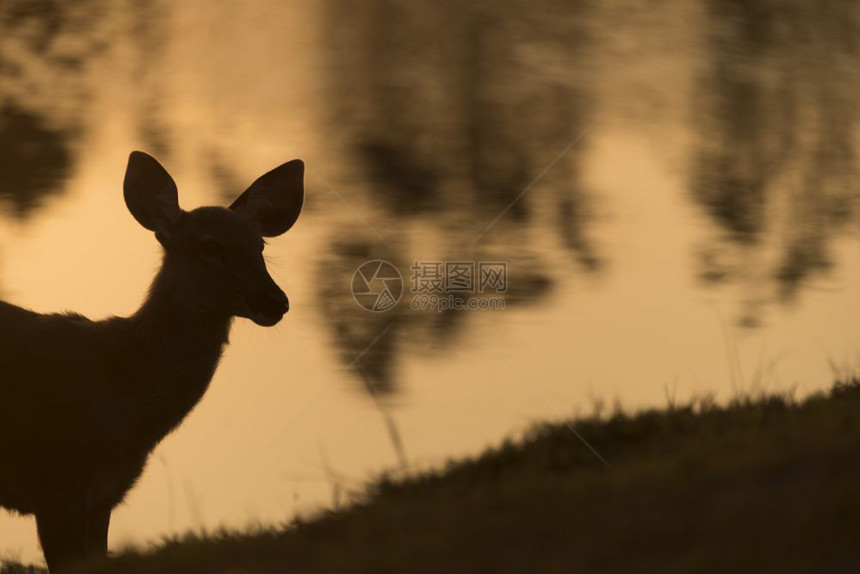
[83, 403]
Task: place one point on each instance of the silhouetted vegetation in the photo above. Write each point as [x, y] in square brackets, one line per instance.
[15, 567]
[47, 48]
[453, 109]
[450, 112]
[765, 483]
[36, 160]
[774, 165]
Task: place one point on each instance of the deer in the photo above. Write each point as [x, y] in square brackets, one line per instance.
[83, 403]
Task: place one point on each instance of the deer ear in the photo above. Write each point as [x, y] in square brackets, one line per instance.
[150, 194]
[274, 201]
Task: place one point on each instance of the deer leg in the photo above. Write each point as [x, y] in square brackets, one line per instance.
[98, 522]
[63, 535]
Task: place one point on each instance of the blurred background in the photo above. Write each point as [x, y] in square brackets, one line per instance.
[689, 227]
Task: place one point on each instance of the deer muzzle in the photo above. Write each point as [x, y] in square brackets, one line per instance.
[269, 308]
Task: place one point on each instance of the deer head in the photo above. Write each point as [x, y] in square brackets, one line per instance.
[215, 254]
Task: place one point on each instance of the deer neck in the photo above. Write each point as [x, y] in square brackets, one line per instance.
[179, 344]
[171, 304]
[174, 351]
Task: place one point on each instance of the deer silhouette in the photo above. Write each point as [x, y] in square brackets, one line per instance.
[83, 403]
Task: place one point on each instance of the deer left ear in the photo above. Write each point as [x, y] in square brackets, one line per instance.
[274, 201]
[150, 194]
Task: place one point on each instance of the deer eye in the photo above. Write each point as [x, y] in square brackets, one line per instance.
[212, 250]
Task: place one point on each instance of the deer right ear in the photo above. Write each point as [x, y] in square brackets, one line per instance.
[150, 194]
[274, 201]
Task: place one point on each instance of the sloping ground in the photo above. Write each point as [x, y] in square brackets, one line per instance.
[762, 485]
